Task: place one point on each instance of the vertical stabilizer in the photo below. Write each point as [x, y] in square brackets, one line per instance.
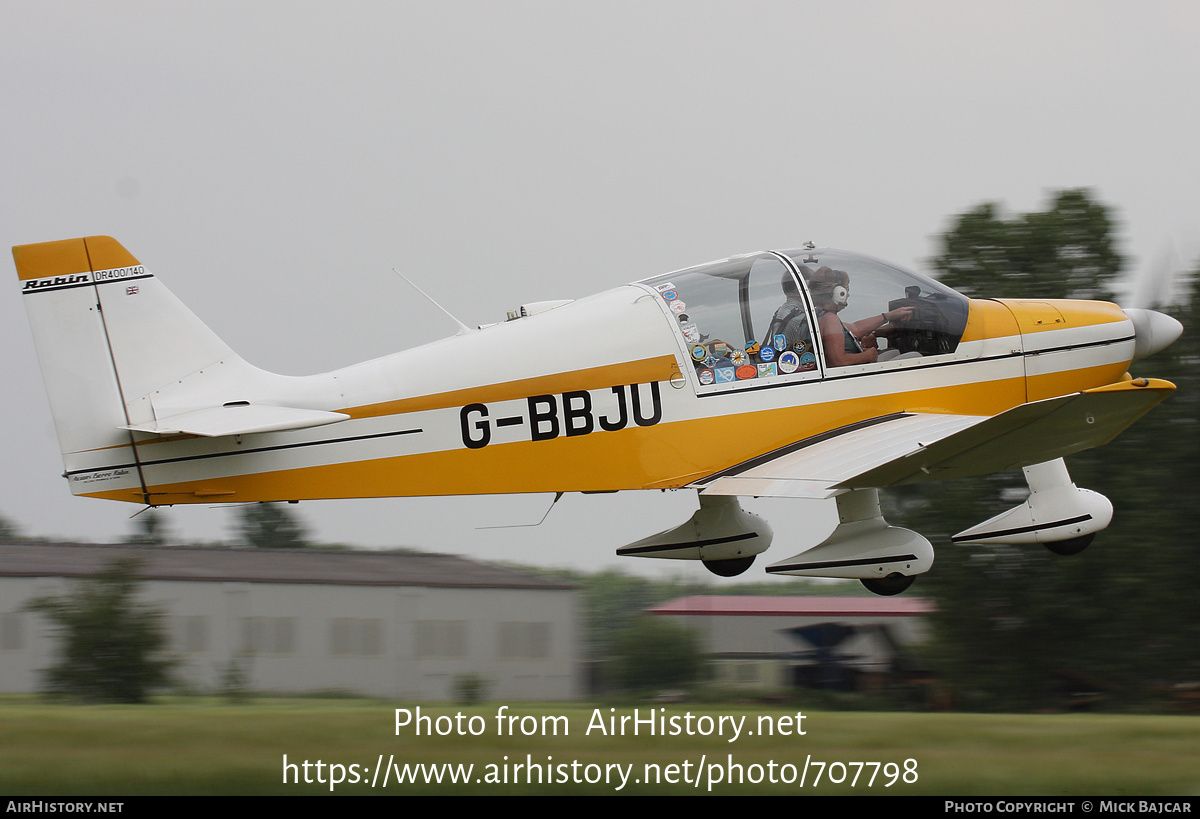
[108, 334]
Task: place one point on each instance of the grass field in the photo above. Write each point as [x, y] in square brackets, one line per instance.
[198, 746]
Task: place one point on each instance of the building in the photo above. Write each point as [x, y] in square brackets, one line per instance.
[766, 644]
[388, 624]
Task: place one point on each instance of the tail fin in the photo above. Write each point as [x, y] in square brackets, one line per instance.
[108, 334]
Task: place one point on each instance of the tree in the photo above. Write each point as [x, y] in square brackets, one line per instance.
[113, 646]
[1018, 627]
[654, 653]
[151, 529]
[8, 530]
[1064, 252]
[271, 526]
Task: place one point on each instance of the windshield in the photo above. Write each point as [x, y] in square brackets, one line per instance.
[741, 319]
[925, 318]
[752, 318]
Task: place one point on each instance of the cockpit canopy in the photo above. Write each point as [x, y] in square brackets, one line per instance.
[765, 315]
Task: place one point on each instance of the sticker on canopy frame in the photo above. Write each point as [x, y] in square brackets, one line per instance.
[780, 341]
[699, 352]
[670, 295]
[706, 377]
[724, 375]
[751, 347]
[678, 306]
[662, 288]
[691, 333]
[808, 361]
[767, 370]
[767, 353]
[720, 349]
[739, 358]
[789, 362]
[746, 372]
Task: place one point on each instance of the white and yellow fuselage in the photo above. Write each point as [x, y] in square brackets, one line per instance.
[600, 394]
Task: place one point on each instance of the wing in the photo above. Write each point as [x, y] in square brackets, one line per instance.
[910, 447]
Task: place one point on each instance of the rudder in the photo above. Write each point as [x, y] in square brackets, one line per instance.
[108, 334]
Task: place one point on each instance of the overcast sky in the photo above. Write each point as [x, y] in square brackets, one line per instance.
[272, 161]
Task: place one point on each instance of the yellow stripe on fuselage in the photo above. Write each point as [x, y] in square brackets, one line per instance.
[1051, 385]
[666, 455]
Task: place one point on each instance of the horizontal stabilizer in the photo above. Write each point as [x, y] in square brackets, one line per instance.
[239, 419]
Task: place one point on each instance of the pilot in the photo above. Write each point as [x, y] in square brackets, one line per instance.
[853, 343]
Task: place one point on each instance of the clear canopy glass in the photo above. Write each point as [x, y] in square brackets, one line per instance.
[790, 315]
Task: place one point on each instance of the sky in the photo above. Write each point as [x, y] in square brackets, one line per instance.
[271, 162]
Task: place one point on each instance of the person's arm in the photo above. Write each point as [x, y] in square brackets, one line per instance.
[833, 339]
[870, 324]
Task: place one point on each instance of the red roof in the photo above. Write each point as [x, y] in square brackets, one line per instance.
[797, 606]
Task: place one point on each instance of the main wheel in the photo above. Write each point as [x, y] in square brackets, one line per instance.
[894, 583]
[729, 568]
[1070, 547]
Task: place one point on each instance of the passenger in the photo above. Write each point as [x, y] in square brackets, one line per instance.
[791, 319]
[853, 343]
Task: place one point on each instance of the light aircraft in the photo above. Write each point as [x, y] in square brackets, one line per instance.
[805, 373]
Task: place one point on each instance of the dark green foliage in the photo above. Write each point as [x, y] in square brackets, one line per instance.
[1064, 252]
[8, 531]
[1119, 624]
[654, 653]
[235, 679]
[271, 526]
[112, 646]
[470, 689]
[150, 529]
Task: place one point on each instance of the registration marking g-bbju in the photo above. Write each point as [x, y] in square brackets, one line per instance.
[567, 414]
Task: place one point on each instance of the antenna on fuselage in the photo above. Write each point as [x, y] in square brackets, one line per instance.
[557, 497]
[462, 328]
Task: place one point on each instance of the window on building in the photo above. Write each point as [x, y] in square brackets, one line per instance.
[191, 634]
[269, 635]
[355, 637]
[12, 631]
[524, 640]
[441, 638]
